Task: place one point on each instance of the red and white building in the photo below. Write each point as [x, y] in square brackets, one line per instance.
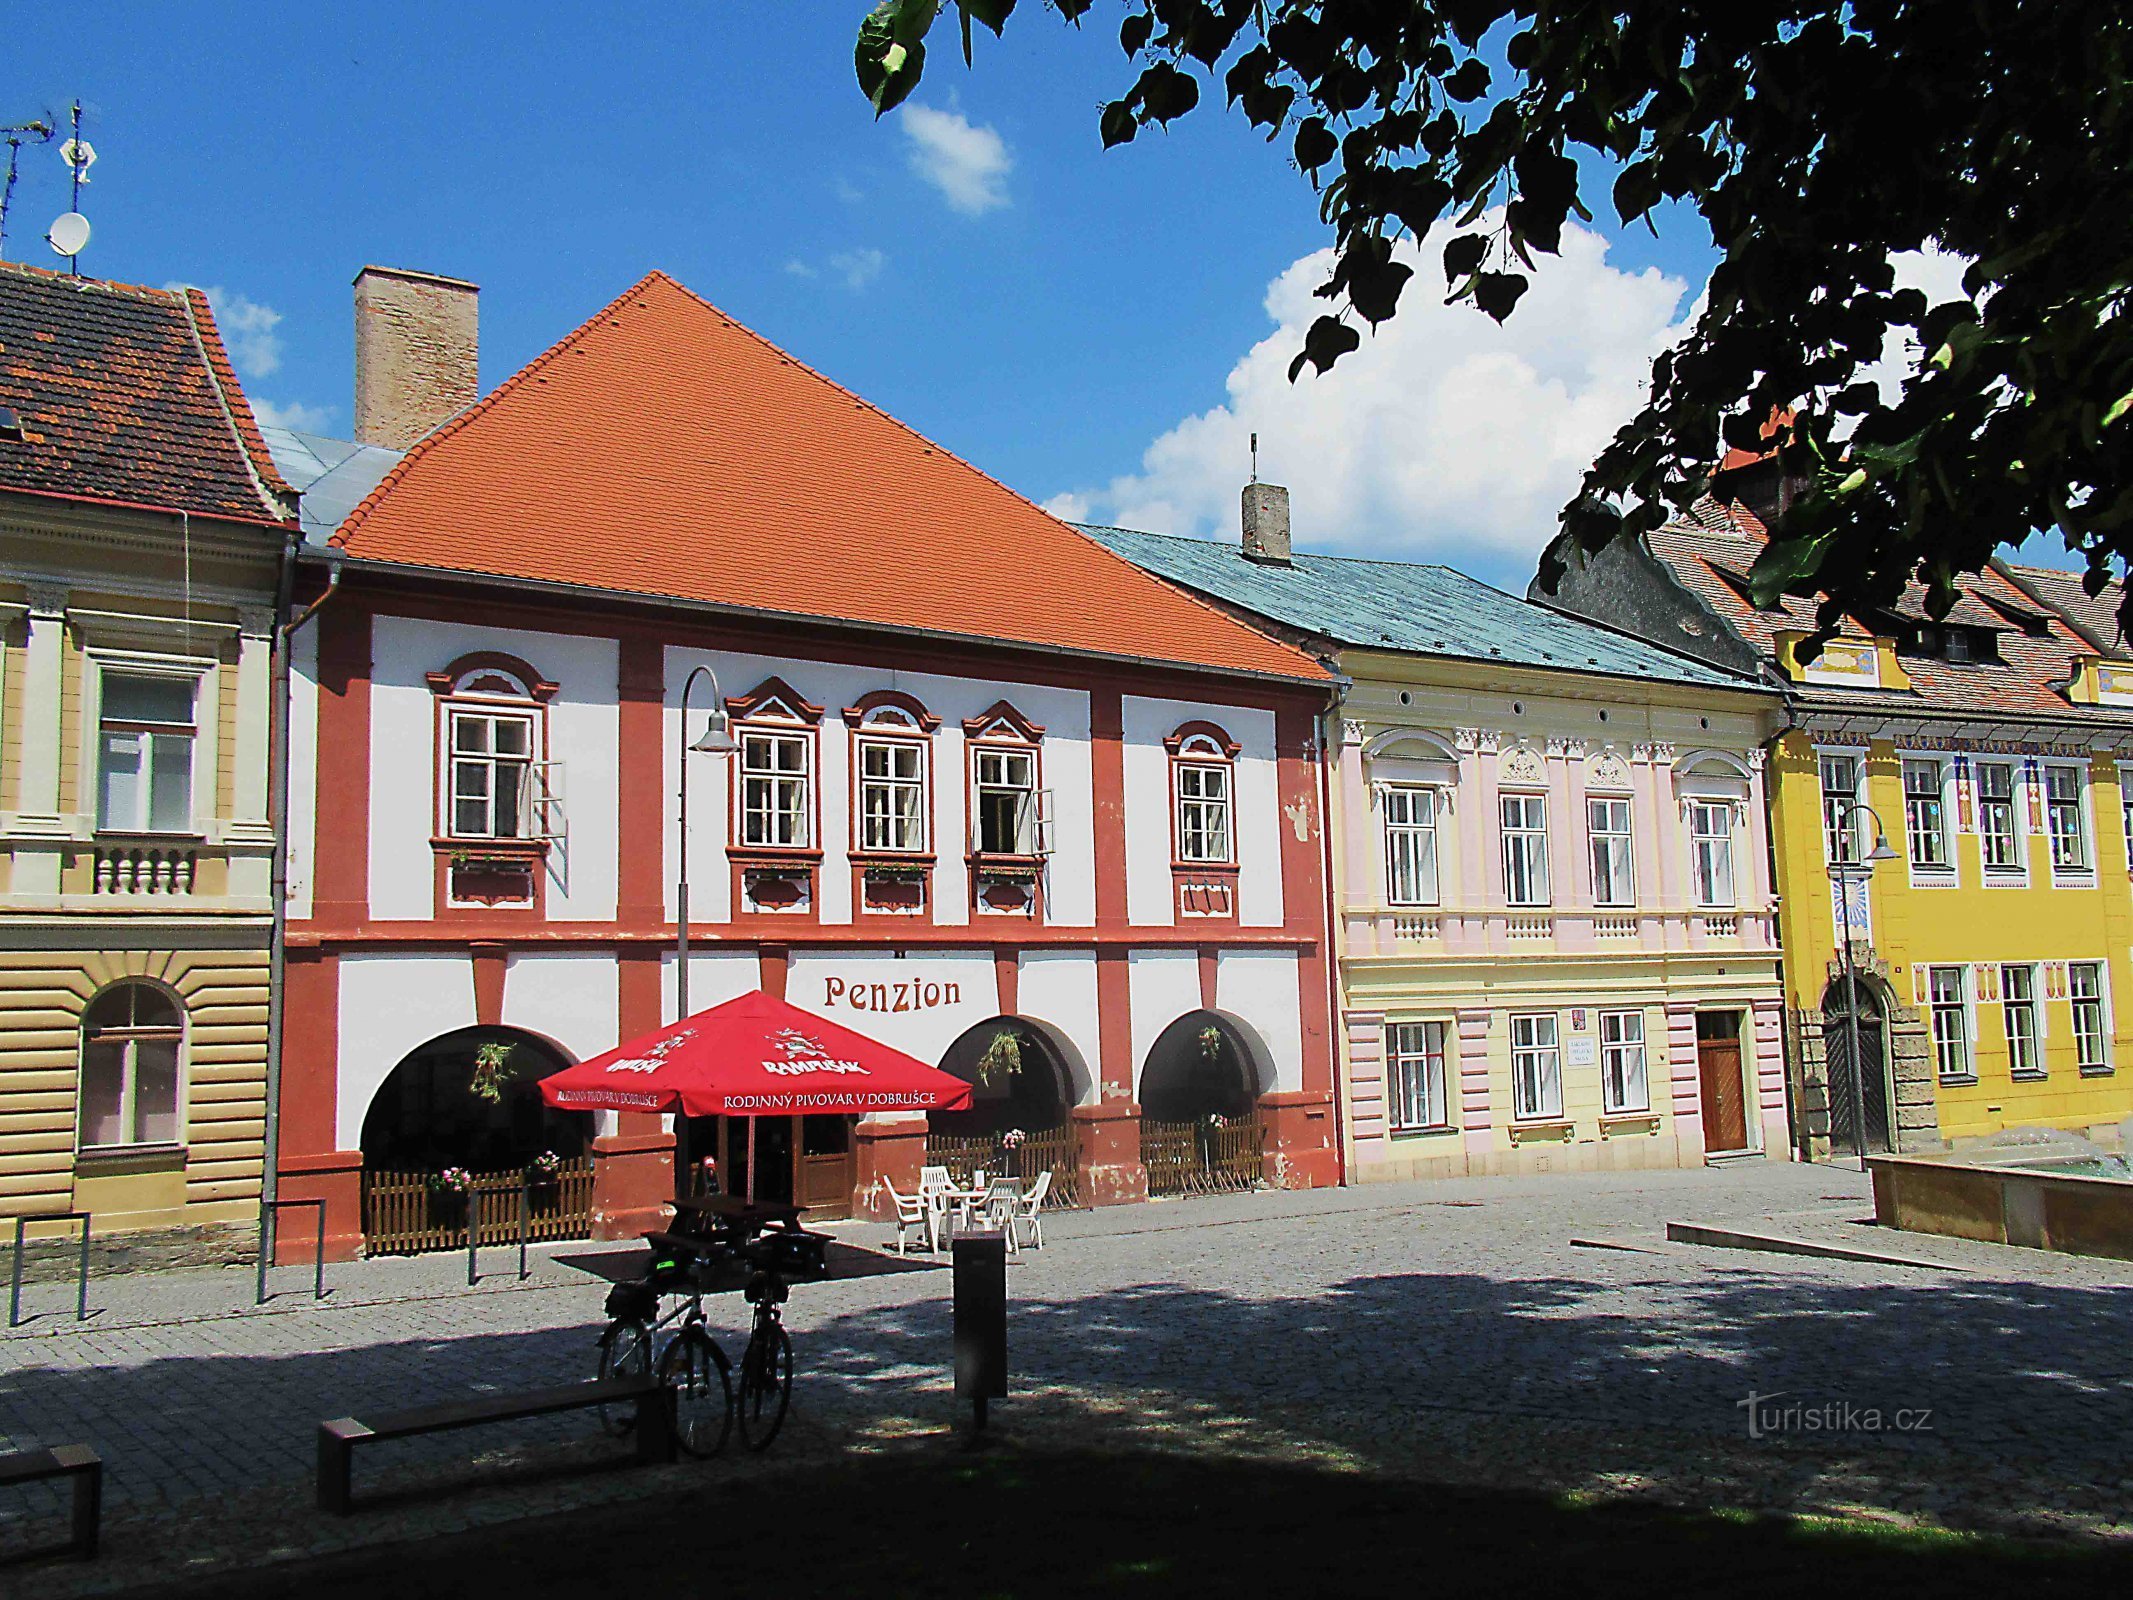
[985, 775]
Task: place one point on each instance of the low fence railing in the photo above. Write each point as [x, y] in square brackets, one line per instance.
[405, 1214]
[1050, 1150]
[1202, 1157]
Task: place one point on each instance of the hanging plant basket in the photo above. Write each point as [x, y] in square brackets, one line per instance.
[1210, 1041]
[1002, 1059]
[492, 1071]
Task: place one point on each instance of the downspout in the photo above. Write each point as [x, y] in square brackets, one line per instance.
[277, 815]
[1328, 743]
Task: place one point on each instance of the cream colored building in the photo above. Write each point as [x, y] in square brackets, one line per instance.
[143, 531]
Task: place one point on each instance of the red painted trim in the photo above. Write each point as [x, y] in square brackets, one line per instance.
[751, 704]
[1199, 730]
[488, 959]
[1107, 773]
[1114, 1023]
[448, 681]
[773, 961]
[855, 714]
[637, 1012]
[161, 511]
[1304, 882]
[1209, 956]
[854, 818]
[310, 1054]
[1007, 979]
[985, 724]
[641, 868]
[340, 874]
[513, 932]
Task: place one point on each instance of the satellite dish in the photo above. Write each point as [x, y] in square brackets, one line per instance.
[80, 155]
[69, 234]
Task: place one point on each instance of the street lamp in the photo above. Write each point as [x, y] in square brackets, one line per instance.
[1843, 873]
[712, 741]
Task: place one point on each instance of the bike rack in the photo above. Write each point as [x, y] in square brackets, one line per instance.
[525, 1225]
[269, 1234]
[81, 1290]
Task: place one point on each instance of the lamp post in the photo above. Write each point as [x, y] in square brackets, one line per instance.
[714, 739]
[1844, 873]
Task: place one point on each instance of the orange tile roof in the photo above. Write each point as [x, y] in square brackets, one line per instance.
[664, 449]
[126, 395]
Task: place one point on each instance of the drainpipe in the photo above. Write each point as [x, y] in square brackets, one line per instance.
[1328, 743]
[277, 815]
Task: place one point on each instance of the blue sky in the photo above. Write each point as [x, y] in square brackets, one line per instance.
[1092, 327]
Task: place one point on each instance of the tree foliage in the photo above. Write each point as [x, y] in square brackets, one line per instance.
[1816, 139]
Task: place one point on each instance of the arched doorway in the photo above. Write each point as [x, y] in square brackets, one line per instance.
[1022, 1084]
[1199, 1095]
[1843, 1004]
[454, 1135]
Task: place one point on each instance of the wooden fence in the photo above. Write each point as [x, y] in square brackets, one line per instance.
[1197, 1158]
[1050, 1150]
[403, 1215]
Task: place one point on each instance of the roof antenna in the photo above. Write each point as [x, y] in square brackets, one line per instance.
[69, 235]
[17, 135]
[1255, 458]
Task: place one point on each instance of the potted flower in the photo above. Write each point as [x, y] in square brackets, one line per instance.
[449, 1190]
[545, 1169]
[1011, 1152]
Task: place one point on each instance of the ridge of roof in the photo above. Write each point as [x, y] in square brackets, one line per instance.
[236, 408]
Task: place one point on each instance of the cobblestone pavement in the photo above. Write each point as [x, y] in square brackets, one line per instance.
[1452, 1331]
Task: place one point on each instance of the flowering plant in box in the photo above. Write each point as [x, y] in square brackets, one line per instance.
[1012, 1139]
[453, 1180]
[545, 1167]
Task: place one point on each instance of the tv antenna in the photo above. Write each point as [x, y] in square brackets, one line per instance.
[17, 135]
[1255, 458]
[69, 234]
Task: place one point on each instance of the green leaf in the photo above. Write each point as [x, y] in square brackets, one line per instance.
[890, 56]
[1463, 256]
[1328, 340]
[1118, 125]
[1784, 566]
[1315, 144]
[1497, 292]
[1134, 32]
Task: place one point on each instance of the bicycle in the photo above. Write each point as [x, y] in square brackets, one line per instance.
[766, 1365]
[692, 1365]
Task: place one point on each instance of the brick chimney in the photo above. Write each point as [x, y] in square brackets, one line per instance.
[417, 349]
[1266, 523]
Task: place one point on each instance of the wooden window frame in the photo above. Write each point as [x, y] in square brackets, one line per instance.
[178, 1036]
[774, 707]
[1440, 1054]
[1203, 891]
[1005, 883]
[475, 875]
[891, 883]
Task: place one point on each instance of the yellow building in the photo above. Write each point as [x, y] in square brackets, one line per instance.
[1986, 745]
[1556, 928]
[142, 534]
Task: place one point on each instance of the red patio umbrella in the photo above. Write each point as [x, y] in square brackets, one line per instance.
[755, 1056]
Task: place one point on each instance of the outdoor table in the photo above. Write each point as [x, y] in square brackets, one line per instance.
[732, 1219]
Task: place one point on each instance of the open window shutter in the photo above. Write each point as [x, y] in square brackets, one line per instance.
[1043, 798]
[543, 800]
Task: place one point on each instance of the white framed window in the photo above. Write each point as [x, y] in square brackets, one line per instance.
[1925, 815]
[1949, 997]
[1607, 824]
[1525, 848]
[1203, 811]
[146, 732]
[1536, 1067]
[1711, 838]
[491, 773]
[1410, 823]
[1999, 830]
[777, 789]
[2064, 819]
[892, 795]
[132, 1036]
[1006, 782]
[1840, 793]
[2125, 812]
[2018, 1008]
[1414, 1072]
[2092, 1023]
[1624, 1083]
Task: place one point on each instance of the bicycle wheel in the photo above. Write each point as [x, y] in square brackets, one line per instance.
[625, 1352]
[766, 1384]
[697, 1370]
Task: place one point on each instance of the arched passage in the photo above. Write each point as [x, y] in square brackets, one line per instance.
[1205, 1064]
[1025, 1078]
[471, 1099]
[1866, 1091]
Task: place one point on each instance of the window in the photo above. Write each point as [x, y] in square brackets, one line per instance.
[1410, 846]
[2092, 1043]
[1711, 834]
[892, 794]
[1536, 1068]
[2125, 813]
[1414, 1060]
[2062, 815]
[145, 757]
[130, 1038]
[1925, 819]
[492, 767]
[2018, 1004]
[1951, 1022]
[1007, 802]
[1613, 874]
[1840, 792]
[776, 803]
[1996, 817]
[1525, 848]
[1203, 812]
[1624, 1085]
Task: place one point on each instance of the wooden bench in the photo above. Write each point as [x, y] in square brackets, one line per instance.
[653, 1429]
[76, 1461]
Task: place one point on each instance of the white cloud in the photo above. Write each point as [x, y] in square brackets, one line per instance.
[968, 163]
[859, 267]
[247, 329]
[800, 269]
[1940, 275]
[295, 415]
[1444, 437]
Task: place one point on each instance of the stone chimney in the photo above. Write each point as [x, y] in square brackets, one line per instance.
[417, 351]
[1266, 523]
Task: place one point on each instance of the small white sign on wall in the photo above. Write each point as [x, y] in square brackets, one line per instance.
[1581, 1052]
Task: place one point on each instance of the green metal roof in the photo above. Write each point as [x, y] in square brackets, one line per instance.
[1404, 605]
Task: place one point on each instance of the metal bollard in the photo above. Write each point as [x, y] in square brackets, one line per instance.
[980, 1320]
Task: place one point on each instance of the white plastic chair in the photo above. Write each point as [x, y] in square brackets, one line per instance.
[1025, 1213]
[912, 1211]
[1001, 1201]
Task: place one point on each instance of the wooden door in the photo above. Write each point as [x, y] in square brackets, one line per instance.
[1725, 1100]
[828, 1166]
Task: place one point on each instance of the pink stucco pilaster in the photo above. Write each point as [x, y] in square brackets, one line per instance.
[1649, 840]
[1358, 885]
[1366, 1084]
[1681, 1065]
[1474, 1081]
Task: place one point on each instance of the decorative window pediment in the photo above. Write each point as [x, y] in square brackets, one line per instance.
[890, 711]
[774, 700]
[1000, 720]
[491, 675]
[1202, 741]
